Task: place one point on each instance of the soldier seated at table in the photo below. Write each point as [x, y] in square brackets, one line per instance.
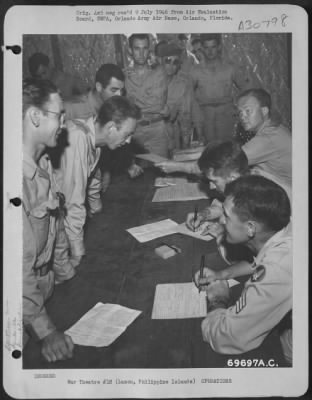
[45, 245]
[221, 163]
[269, 150]
[113, 127]
[256, 212]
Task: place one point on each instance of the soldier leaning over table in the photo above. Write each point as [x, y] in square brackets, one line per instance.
[45, 245]
[256, 213]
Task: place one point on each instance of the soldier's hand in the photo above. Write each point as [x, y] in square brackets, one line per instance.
[169, 166]
[57, 346]
[135, 170]
[214, 229]
[192, 223]
[218, 290]
[209, 276]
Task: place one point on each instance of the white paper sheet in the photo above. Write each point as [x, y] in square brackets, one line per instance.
[187, 191]
[102, 325]
[154, 158]
[147, 232]
[169, 181]
[179, 300]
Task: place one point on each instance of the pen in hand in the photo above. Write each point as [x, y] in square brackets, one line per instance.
[201, 271]
[195, 217]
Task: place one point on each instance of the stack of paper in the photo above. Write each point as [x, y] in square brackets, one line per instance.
[183, 192]
[147, 232]
[101, 325]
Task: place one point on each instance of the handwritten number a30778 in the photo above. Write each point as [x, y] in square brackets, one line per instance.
[268, 23]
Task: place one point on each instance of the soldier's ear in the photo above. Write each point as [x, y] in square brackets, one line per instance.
[265, 111]
[98, 87]
[111, 127]
[34, 116]
[251, 229]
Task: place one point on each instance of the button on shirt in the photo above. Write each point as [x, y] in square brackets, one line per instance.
[265, 300]
[43, 238]
[149, 90]
[270, 151]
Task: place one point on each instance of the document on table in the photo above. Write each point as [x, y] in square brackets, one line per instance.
[102, 325]
[154, 158]
[184, 192]
[169, 181]
[184, 230]
[179, 300]
[147, 232]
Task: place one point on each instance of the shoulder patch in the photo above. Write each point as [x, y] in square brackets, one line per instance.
[259, 274]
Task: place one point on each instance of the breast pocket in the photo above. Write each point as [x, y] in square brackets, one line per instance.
[41, 226]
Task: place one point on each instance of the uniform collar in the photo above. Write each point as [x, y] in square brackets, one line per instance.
[30, 168]
[279, 237]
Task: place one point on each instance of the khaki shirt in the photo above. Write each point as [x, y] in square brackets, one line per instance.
[180, 97]
[265, 300]
[214, 86]
[270, 151]
[43, 239]
[188, 61]
[77, 165]
[148, 91]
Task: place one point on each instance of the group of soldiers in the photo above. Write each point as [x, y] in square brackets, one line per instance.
[164, 103]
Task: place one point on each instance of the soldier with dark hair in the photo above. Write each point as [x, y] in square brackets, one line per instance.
[256, 213]
[147, 87]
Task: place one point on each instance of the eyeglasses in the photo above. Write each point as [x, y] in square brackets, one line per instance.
[172, 61]
[60, 114]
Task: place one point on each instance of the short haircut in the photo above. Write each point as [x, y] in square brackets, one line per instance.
[108, 71]
[223, 158]
[35, 61]
[211, 36]
[260, 199]
[139, 36]
[195, 41]
[117, 109]
[261, 95]
[36, 92]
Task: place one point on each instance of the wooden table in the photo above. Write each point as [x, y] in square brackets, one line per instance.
[118, 269]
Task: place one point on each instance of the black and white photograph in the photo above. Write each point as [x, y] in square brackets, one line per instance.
[162, 154]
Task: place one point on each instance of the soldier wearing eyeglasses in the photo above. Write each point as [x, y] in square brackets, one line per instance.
[45, 245]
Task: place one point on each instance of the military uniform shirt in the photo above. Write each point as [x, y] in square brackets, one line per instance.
[270, 151]
[78, 164]
[265, 300]
[43, 239]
